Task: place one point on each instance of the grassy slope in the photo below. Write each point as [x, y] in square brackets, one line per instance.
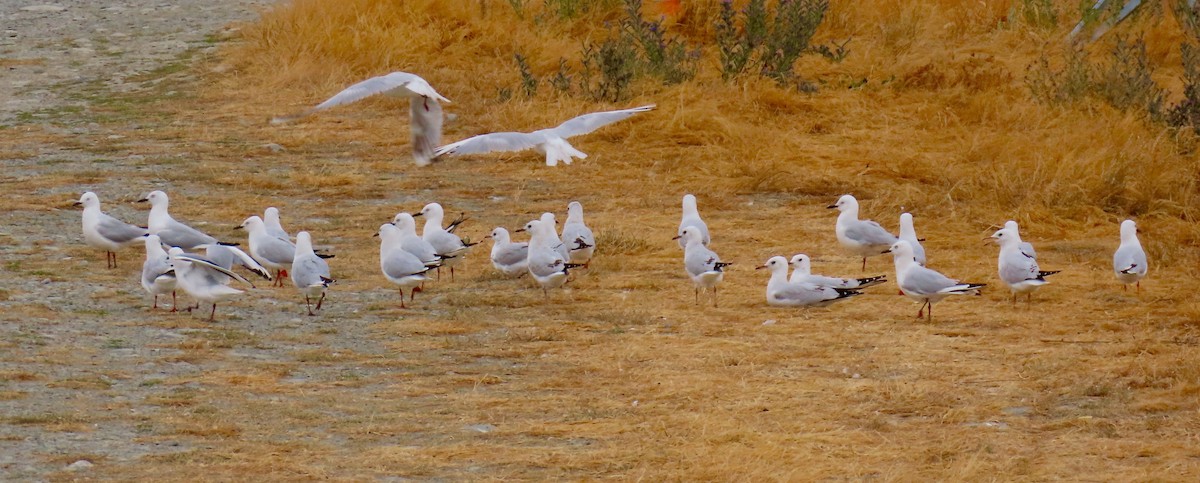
[631, 379]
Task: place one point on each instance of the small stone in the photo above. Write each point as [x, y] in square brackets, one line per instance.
[80, 465]
[274, 148]
[44, 9]
[769, 322]
[480, 428]
[634, 403]
[1018, 411]
[856, 376]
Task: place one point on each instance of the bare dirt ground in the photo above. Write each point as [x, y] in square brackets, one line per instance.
[621, 376]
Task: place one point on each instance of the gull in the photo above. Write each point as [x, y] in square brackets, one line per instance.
[173, 233]
[703, 265]
[802, 272]
[274, 228]
[227, 256]
[414, 244]
[548, 267]
[272, 252]
[105, 232]
[1129, 261]
[424, 107]
[782, 292]
[202, 279]
[862, 237]
[1024, 246]
[399, 266]
[554, 241]
[581, 244]
[158, 276]
[508, 257]
[909, 234]
[922, 284]
[1017, 269]
[691, 217]
[448, 245]
[310, 273]
[552, 142]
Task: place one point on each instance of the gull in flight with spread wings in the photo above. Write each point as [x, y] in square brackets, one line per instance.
[552, 142]
[424, 107]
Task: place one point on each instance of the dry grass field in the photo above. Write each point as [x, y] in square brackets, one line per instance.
[620, 376]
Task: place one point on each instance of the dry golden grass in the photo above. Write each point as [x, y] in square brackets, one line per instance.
[622, 376]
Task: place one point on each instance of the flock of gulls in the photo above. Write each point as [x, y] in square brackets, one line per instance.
[180, 257]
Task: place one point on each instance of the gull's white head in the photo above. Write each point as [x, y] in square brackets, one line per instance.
[89, 200]
[153, 243]
[846, 204]
[1128, 231]
[801, 263]
[303, 242]
[433, 211]
[1006, 237]
[1012, 225]
[690, 234]
[271, 214]
[575, 211]
[776, 265]
[548, 219]
[156, 198]
[405, 222]
[388, 233]
[252, 224]
[901, 250]
[499, 235]
[906, 222]
[689, 204]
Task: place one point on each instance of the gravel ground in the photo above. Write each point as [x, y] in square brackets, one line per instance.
[46, 51]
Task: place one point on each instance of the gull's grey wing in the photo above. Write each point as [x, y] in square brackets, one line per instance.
[545, 262]
[484, 143]
[183, 236]
[208, 264]
[590, 122]
[869, 233]
[400, 263]
[575, 231]
[227, 256]
[700, 260]
[1129, 255]
[1016, 267]
[1027, 249]
[117, 230]
[426, 114]
[307, 270]
[277, 250]
[367, 88]
[923, 281]
[513, 253]
[805, 293]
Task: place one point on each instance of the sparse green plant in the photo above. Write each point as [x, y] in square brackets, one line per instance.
[562, 78]
[1187, 112]
[1125, 82]
[518, 7]
[529, 83]
[773, 43]
[608, 69]
[796, 22]
[663, 55]
[1039, 13]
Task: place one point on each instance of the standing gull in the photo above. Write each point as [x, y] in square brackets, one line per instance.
[691, 217]
[203, 280]
[922, 284]
[782, 292]
[864, 238]
[424, 108]
[552, 142]
[548, 267]
[274, 227]
[272, 252]
[399, 267]
[1018, 269]
[172, 233]
[1129, 261]
[802, 272]
[909, 234]
[1024, 246]
[105, 232]
[579, 239]
[449, 246]
[158, 276]
[508, 257]
[310, 273]
[414, 244]
[703, 265]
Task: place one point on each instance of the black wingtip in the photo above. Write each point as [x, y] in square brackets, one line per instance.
[1043, 274]
[846, 292]
[325, 255]
[227, 244]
